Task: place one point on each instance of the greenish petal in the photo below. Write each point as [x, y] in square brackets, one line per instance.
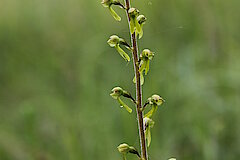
[114, 14]
[142, 65]
[124, 157]
[124, 105]
[147, 67]
[137, 25]
[148, 136]
[141, 78]
[134, 79]
[141, 32]
[122, 53]
[132, 26]
[151, 112]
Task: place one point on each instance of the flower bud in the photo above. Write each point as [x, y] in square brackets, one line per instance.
[123, 148]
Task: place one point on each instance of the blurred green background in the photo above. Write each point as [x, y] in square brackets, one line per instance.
[56, 73]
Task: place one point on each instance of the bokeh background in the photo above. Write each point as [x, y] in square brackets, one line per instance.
[56, 73]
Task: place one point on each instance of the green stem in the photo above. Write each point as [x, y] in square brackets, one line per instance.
[124, 157]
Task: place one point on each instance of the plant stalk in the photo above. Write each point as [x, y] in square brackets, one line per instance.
[138, 88]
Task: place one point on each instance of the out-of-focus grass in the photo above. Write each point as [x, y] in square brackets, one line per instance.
[56, 72]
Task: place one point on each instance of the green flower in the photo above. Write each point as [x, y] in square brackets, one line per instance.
[134, 25]
[115, 41]
[108, 4]
[116, 93]
[145, 58]
[141, 20]
[148, 124]
[154, 101]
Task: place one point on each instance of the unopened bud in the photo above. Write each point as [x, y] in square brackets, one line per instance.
[123, 148]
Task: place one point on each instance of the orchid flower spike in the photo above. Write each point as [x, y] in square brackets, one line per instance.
[148, 124]
[116, 93]
[141, 21]
[115, 41]
[154, 101]
[108, 4]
